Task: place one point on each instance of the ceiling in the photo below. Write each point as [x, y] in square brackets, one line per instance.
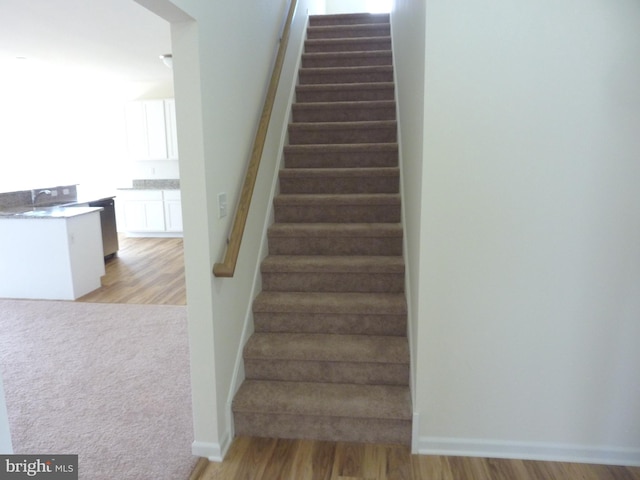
[113, 37]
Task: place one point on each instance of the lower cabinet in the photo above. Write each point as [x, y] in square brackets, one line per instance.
[172, 211]
[151, 212]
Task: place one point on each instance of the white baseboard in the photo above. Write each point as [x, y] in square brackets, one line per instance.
[213, 452]
[528, 451]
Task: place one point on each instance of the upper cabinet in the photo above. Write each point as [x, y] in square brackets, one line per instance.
[170, 126]
[151, 130]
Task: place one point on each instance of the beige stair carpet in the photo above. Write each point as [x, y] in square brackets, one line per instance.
[329, 358]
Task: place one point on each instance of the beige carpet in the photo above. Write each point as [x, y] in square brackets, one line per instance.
[329, 357]
[107, 382]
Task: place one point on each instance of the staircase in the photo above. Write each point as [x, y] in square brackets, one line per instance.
[329, 359]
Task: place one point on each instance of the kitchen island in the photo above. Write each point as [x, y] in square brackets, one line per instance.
[50, 253]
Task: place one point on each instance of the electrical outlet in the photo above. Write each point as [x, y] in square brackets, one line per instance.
[65, 191]
[54, 193]
[222, 205]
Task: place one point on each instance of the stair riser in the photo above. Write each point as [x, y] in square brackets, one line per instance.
[340, 159]
[359, 59]
[327, 372]
[344, 95]
[335, 246]
[349, 19]
[344, 185]
[333, 429]
[310, 135]
[333, 282]
[346, 324]
[355, 31]
[337, 214]
[354, 45]
[352, 113]
[315, 77]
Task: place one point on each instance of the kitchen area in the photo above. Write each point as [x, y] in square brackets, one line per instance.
[89, 152]
[54, 243]
[55, 239]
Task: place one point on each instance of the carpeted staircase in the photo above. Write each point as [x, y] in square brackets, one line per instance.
[329, 358]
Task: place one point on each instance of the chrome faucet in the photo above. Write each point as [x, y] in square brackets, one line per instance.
[34, 195]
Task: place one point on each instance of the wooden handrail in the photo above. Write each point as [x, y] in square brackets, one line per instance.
[228, 266]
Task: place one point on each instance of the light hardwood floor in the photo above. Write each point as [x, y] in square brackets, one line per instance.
[270, 459]
[144, 271]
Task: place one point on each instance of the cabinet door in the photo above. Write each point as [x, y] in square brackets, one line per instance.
[155, 216]
[144, 216]
[146, 130]
[156, 129]
[172, 132]
[173, 215]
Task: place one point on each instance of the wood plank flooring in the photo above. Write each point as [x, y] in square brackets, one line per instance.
[144, 271]
[270, 459]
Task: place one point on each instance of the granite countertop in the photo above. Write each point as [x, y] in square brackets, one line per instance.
[47, 212]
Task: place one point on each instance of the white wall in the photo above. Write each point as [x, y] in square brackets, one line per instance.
[530, 224]
[358, 6]
[221, 75]
[62, 131]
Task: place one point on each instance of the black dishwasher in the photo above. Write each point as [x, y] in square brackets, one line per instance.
[108, 223]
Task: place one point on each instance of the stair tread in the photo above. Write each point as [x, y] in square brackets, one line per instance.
[347, 54]
[314, 30]
[337, 199]
[348, 40]
[362, 125]
[312, 302]
[320, 347]
[336, 229]
[342, 147]
[345, 86]
[349, 30]
[340, 172]
[332, 70]
[339, 105]
[328, 263]
[324, 399]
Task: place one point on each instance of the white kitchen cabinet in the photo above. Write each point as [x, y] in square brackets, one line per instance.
[144, 216]
[151, 213]
[172, 210]
[151, 130]
[143, 211]
[171, 128]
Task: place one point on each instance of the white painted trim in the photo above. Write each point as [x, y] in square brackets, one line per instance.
[407, 264]
[560, 452]
[214, 452]
[415, 429]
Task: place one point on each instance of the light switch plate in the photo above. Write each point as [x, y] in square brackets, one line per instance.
[222, 205]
